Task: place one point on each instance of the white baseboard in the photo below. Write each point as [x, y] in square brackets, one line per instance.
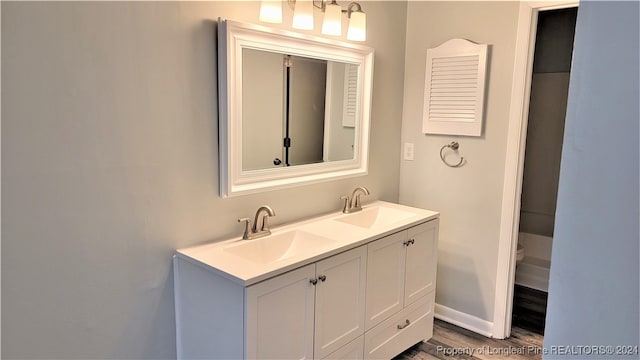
[464, 320]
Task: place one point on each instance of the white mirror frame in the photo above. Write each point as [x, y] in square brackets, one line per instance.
[232, 38]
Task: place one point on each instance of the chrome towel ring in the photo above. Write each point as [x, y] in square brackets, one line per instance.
[453, 146]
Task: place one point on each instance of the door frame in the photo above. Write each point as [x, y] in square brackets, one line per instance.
[514, 162]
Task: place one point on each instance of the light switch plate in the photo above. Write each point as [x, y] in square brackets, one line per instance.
[408, 151]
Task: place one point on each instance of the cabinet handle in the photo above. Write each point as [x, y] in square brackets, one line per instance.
[406, 323]
[409, 242]
[313, 281]
[322, 278]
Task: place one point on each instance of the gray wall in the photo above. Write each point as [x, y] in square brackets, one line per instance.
[593, 288]
[469, 198]
[109, 163]
[262, 108]
[545, 127]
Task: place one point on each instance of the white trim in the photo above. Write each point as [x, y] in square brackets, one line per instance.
[464, 320]
[514, 162]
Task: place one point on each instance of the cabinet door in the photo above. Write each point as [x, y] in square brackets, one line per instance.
[385, 277]
[340, 293]
[279, 316]
[421, 261]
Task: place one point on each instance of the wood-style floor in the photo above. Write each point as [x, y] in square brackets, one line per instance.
[529, 309]
[451, 342]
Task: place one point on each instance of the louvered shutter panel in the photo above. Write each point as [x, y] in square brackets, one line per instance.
[350, 95]
[454, 88]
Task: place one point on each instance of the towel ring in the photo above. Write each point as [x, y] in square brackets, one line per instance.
[453, 146]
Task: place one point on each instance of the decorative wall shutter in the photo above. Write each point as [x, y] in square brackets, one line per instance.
[350, 95]
[454, 88]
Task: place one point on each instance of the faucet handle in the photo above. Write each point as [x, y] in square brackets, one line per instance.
[247, 227]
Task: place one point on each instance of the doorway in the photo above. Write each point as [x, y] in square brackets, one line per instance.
[544, 134]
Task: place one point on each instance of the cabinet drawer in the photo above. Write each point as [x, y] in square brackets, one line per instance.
[352, 351]
[394, 335]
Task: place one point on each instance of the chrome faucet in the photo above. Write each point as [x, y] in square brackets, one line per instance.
[353, 204]
[260, 226]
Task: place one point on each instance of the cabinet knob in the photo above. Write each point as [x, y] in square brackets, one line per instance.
[406, 323]
[313, 281]
[409, 242]
[322, 278]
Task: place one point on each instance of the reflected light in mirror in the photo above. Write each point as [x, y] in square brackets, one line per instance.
[332, 24]
[271, 11]
[303, 15]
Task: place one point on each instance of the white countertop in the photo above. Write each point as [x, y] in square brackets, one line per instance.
[340, 237]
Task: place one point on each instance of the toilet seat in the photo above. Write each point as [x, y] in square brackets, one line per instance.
[519, 253]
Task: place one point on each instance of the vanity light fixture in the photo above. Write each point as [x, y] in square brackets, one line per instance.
[357, 23]
[303, 15]
[271, 11]
[332, 23]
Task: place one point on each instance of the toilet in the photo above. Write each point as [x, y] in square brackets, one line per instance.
[519, 254]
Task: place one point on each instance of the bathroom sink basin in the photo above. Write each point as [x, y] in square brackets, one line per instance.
[375, 217]
[278, 247]
[301, 243]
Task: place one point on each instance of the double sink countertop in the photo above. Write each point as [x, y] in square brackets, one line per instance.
[291, 246]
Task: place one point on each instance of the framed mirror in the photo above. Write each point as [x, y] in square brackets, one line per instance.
[293, 109]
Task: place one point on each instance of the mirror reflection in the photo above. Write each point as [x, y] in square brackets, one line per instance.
[296, 110]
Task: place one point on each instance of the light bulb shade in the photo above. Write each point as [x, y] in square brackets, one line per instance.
[303, 15]
[332, 24]
[357, 26]
[271, 11]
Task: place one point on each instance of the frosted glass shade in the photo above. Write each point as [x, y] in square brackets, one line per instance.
[332, 24]
[271, 11]
[357, 26]
[303, 15]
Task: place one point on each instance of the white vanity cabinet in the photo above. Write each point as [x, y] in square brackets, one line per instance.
[400, 292]
[310, 312]
[281, 311]
[366, 293]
